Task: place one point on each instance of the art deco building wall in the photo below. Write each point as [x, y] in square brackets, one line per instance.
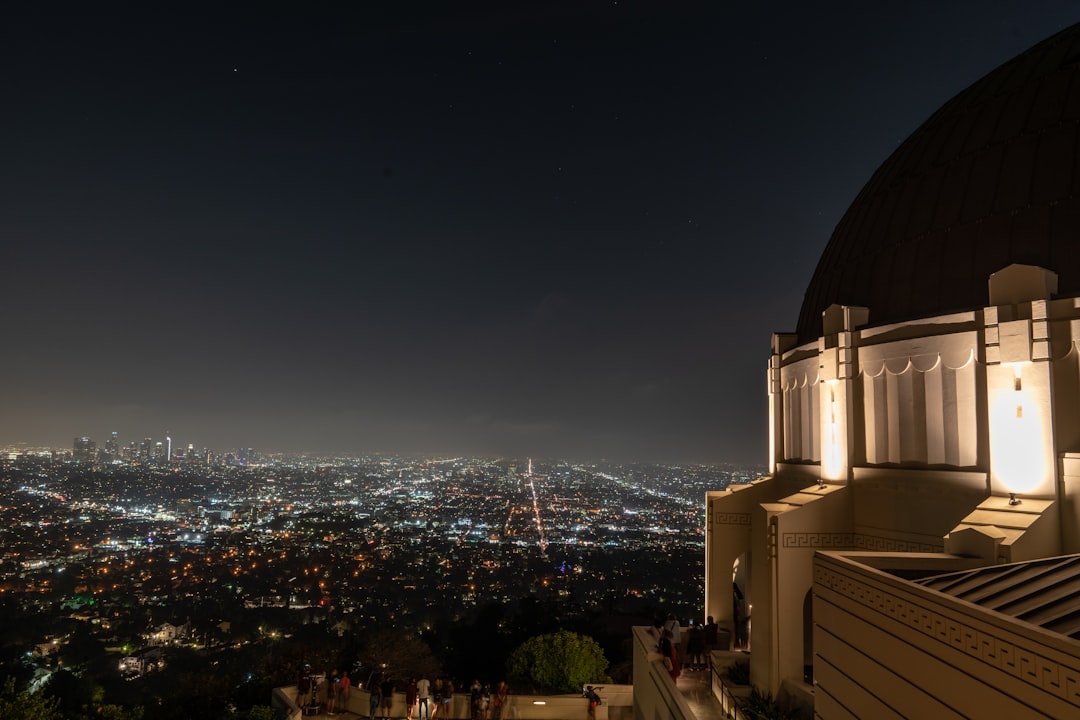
[802, 406]
[906, 438]
[888, 648]
[926, 409]
[920, 404]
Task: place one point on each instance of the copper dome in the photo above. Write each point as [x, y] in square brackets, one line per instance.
[989, 180]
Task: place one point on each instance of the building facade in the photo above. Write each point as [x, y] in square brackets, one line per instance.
[84, 450]
[924, 423]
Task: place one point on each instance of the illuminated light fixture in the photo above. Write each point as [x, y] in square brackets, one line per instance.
[1013, 500]
[832, 462]
[539, 702]
[1019, 444]
[821, 483]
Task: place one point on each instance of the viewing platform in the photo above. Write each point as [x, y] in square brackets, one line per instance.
[695, 695]
[617, 704]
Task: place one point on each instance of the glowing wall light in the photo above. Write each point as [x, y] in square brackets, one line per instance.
[1018, 450]
[833, 460]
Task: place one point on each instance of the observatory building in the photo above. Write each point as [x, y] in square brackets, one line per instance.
[911, 552]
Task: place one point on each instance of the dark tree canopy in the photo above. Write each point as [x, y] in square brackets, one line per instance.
[397, 653]
[24, 705]
[558, 662]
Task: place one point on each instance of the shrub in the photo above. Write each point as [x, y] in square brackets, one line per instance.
[761, 706]
[558, 662]
[739, 673]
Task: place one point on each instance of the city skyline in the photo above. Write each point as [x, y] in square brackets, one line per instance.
[144, 576]
[555, 230]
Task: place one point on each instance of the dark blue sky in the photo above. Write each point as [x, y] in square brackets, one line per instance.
[547, 229]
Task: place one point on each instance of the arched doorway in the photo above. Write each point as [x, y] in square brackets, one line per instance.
[740, 601]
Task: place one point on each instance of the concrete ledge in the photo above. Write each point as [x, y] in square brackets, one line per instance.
[617, 700]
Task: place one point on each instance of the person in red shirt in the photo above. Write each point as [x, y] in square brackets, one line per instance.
[343, 691]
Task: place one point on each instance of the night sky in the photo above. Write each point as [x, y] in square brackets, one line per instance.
[555, 229]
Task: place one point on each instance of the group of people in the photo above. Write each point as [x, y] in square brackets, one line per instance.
[334, 688]
[701, 640]
[429, 699]
[380, 695]
[426, 698]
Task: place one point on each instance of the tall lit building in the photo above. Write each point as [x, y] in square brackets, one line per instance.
[84, 450]
[112, 446]
[908, 554]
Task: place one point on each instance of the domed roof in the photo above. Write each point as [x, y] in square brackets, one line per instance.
[991, 179]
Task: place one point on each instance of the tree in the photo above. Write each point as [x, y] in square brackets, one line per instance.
[110, 712]
[69, 689]
[558, 662]
[82, 649]
[24, 705]
[257, 712]
[398, 653]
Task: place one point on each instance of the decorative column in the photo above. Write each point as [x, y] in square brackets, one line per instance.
[781, 342]
[838, 371]
[1019, 382]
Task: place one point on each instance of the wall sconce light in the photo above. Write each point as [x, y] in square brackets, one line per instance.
[1013, 500]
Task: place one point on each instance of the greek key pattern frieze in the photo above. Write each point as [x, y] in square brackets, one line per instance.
[818, 540]
[1022, 662]
[873, 543]
[731, 518]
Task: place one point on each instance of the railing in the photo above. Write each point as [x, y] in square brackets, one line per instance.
[617, 701]
[732, 697]
[655, 694]
[285, 700]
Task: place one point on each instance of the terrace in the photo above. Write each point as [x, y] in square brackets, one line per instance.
[695, 696]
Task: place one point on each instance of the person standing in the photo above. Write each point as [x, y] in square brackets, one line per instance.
[332, 684]
[502, 697]
[423, 697]
[375, 697]
[303, 688]
[669, 656]
[594, 700]
[411, 691]
[672, 626]
[485, 701]
[343, 692]
[474, 699]
[695, 646]
[387, 692]
[436, 699]
[711, 637]
[742, 618]
[448, 698]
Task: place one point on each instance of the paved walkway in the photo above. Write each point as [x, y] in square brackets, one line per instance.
[695, 685]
